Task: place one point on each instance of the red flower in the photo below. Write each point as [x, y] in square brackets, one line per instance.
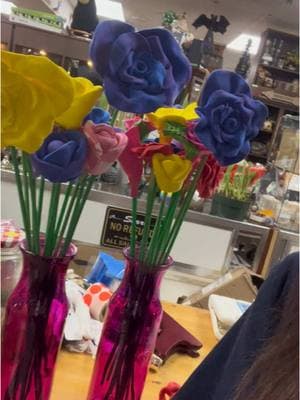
[210, 178]
[146, 151]
[130, 160]
[232, 172]
[257, 172]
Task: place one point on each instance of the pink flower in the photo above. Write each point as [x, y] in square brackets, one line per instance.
[130, 122]
[131, 162]
[104, 147]
[192, 138]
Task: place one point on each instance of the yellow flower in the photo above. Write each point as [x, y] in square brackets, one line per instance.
[169, 114]
[170, 171]
[85, 97]
[34, 91]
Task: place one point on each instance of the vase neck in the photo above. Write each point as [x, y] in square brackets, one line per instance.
[45, 268]
[137, 276]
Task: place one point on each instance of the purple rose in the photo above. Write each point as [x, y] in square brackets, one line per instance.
[61, 157]
[142, 70]
[229, 116]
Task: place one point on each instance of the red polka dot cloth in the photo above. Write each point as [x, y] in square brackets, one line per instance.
[11, 235]
[96, 297]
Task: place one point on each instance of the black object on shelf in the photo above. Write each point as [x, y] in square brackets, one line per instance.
[243, 65]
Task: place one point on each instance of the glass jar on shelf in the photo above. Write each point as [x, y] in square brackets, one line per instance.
[11, 260]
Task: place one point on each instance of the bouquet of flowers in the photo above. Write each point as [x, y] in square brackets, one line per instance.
[185, 149]
[49, 117]
[239, 180]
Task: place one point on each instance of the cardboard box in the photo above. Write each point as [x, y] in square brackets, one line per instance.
[239, 284]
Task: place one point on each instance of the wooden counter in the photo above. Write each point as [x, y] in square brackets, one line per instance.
[73, 371]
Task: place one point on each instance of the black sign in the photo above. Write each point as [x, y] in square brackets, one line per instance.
[117, 227]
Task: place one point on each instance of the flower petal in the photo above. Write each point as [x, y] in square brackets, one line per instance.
[85, 97]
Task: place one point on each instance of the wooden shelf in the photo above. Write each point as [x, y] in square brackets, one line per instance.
[266, 132]
[285, 70]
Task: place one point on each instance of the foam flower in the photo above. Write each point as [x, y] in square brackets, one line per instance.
[129, 160]
[210, 178]
[170, 171]
[180, 116]
[104, 146]
[85, 97]
[146, 151]
[141, 70]
[61, 157]
[98, 116]
[34, 92]
[229, 116]
[129, 122]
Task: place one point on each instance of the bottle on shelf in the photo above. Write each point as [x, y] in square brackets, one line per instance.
[267, 58]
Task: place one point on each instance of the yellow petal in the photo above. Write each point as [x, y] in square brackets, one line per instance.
[85, 97]
[170, 171]
[34, 91]
[170, 114]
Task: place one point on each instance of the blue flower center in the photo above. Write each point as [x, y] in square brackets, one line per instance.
[230, 124]
[152, 73]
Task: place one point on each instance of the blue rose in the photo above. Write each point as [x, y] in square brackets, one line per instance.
[142, 70]
[61, 157]
[229, 116]
[98, 116]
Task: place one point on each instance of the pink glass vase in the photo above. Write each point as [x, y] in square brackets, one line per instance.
[33, 327]
[129, 334]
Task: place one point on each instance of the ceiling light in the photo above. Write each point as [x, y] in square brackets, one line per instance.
[241, 41]
[6, 7]
[43, 52]
[110, 9]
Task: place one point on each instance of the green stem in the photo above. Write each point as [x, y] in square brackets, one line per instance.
[166, 225]
[114, 115]
[21, 197]
[77, 213]
[179, 219]
[154, 243]
[26, 190]
[133, 227]
[34, 211]
[40, 201]
[52, 213]
[149, 207]
[63, 209]
[68, 213]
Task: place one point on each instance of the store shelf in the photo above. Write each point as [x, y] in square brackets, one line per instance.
[285, 70]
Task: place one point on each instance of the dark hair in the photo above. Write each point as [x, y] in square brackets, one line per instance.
[274, 374]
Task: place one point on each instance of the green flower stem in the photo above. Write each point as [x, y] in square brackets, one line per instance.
[166, 226]
[133, 227]
[114, 116]
[68, 213]
[34, 211]
[179, 219]
[150, 202]
[63, 209]
[52, 213]
[154, 243]
[77, 213]
[21, 197]
[40, 201]
[25, 179]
